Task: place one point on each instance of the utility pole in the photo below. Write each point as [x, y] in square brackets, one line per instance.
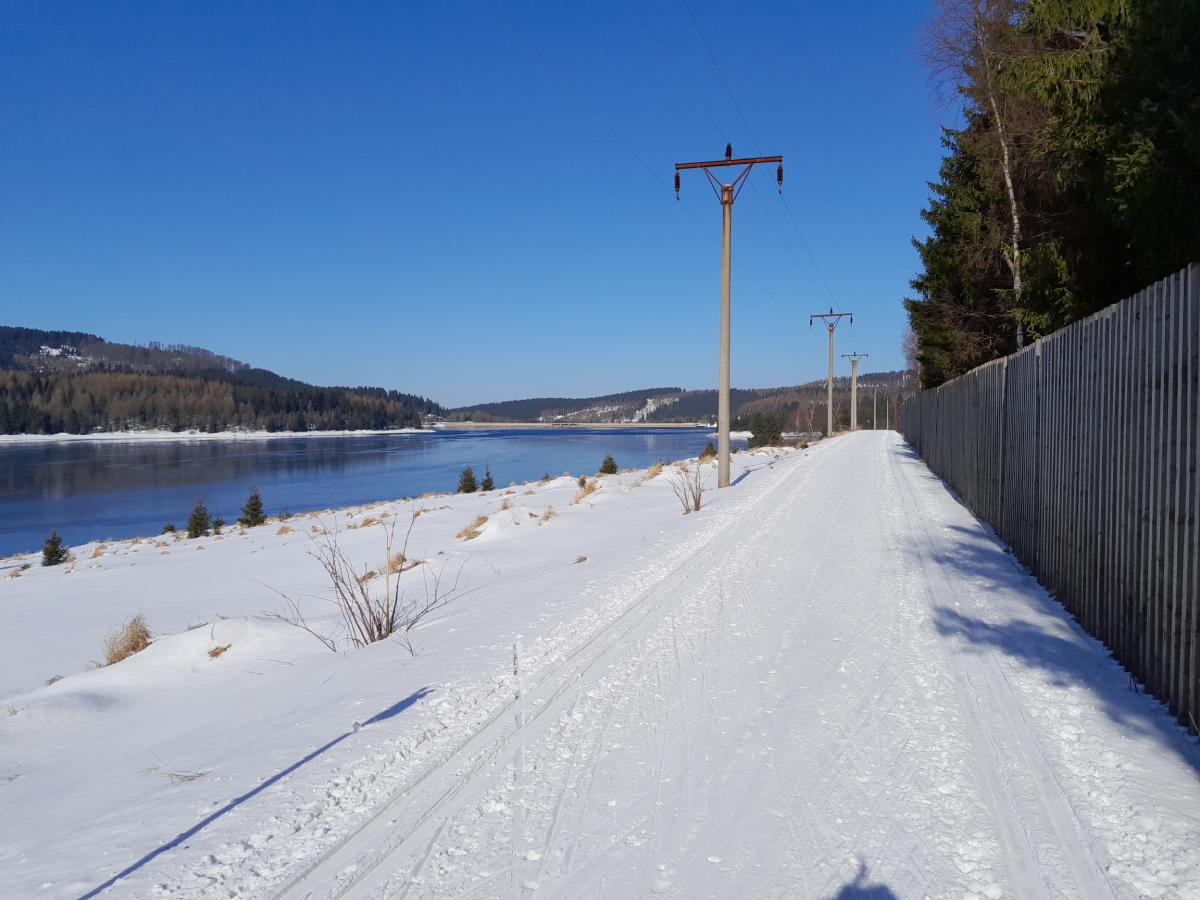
[831, 320]
[726, 193]
[854, 358]
[875, 409]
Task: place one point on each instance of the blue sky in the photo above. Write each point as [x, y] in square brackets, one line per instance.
[408, 195]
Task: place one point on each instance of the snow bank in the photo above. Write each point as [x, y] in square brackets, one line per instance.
[106, 765]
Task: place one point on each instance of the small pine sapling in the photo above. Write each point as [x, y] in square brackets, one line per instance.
[466, 481]
[169, 528]
[198, 521]
[252, 511]
[217, 525]
[709, 451]
[53, 552]
[487, 484]
[608, 466]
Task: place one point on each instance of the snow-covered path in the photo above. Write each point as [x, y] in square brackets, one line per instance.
[848, 689]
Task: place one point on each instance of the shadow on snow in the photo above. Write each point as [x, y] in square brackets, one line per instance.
[1044, 636]
[860, 889]
[381, 716]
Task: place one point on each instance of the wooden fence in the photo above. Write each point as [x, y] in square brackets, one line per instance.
[1082, 452]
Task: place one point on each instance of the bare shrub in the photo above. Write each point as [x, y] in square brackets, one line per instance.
[218, 650]
[374, 616]
[99, 551]
[580, 559]
[687, 484]
[472, 531]
[126, 639]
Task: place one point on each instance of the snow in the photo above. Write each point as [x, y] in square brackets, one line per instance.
[830, 679]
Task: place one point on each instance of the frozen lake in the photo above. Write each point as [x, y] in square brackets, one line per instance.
[98, 490]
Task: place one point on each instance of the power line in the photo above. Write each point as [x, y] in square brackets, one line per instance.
[724, 137]
[574, 90]
[721, 74]
[621, 139]
[737, 107]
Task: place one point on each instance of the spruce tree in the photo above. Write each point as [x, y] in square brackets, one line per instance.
[198, 522]
[608, 466]
[487, 484]
[252, 511]
[53, 552]
[709, 451]
[466, 481]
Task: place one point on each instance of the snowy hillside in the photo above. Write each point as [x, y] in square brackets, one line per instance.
[830, 679]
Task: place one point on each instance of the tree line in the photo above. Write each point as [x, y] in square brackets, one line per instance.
[81, 402]
[1074, 178]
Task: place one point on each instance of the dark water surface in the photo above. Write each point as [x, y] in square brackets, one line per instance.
[98, 490]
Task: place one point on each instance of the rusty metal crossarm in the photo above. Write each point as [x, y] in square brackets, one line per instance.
[729, 162]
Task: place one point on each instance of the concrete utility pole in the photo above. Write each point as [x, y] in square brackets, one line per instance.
[854, 358]
[831, 320]
[726, 193]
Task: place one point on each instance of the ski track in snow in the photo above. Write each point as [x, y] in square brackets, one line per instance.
[841, 684]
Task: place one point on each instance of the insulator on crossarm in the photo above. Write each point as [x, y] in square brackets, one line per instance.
[779, 177]
[676, 185]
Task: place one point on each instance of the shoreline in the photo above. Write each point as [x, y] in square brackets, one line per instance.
[191, 435]
[168, 436]
[562, 426]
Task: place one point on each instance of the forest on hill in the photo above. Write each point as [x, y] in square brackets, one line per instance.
[1074, 180]
[56, 382]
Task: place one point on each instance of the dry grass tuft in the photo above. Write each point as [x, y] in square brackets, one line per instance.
[218, 650]
[284, 529]
[160, 544]
[507, 504]
[586, 490]
[126, 640]
[99, 551]
[529, 493]
[472, 531]
[549, 513]
[400, 563]
[651, 473]
[580, 559]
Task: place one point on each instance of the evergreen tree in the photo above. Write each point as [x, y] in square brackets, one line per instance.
[252, 511]
[1084, 118]
[765, 430]
[608, 466]
[198, 522]
[53, 552]
[217, 525]
[709, 451]
[466, 481]
[487, 484]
